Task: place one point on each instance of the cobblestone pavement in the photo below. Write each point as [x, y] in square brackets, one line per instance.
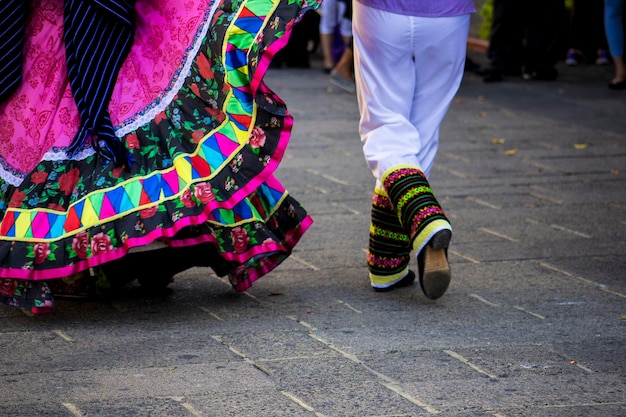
[533, 177]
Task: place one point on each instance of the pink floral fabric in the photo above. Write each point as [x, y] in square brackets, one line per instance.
[44, 101]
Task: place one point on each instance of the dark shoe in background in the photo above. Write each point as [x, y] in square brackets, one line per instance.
[493, 76]
[617, 86]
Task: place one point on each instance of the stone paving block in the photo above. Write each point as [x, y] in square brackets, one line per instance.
[419, 366]
[536, 392]
[533, 276]
[251, 403]
[586, 409]
[114, 347]
[593, 197]
[522, 361]
[355, 398]
[602, 354]
[119, 383]
[28, 407]
[277, 346]
[606, 269]
[135, 407]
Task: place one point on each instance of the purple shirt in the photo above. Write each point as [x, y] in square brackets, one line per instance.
[423, 8]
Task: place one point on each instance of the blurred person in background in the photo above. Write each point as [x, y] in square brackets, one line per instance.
[587, 39]
[614, 26]
[524, 40]
[336, 18]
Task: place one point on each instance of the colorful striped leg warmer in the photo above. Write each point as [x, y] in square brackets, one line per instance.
[425, 223]
[416, 206]
[389, 251]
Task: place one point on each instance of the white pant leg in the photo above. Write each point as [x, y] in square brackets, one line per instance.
[332, 15]
[407, 70]
[345, 28]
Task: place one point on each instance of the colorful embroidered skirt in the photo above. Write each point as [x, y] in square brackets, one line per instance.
[206, 134]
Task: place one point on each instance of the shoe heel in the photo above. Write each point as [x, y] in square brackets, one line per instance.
[436, 275]
[436, 260]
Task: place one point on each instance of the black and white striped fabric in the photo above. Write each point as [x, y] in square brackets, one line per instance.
[12, 22]
[98, 36]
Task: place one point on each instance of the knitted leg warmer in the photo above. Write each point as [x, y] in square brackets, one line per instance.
[426, 225]
[418, 210]
[389, 250]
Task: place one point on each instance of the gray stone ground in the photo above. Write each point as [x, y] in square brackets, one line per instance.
[533, 177]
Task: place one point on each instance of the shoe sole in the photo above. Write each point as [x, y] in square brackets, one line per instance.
[437, 275]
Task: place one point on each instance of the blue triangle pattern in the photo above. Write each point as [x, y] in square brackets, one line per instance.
[78, 208]
[115, 196]
[56, 225]
[270, 194]
[194, 173]
[165, 187]
[243, 210]
[125, 203]
[244, 98]
[211, 143]
[235, 59]
[234, 121]
[250, 24]
[214, 157]
[152, 187]
[216, 215]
